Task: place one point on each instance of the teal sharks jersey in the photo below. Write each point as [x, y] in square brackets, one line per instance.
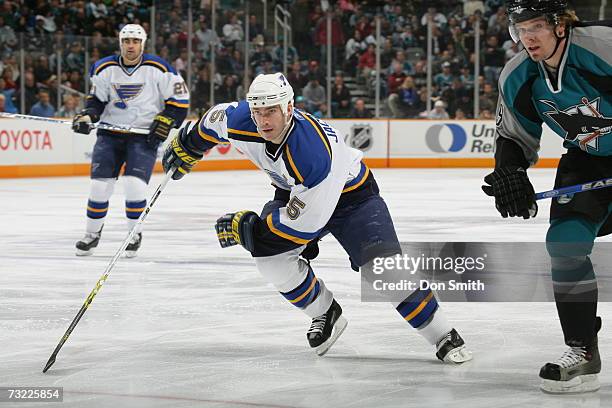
[576, 103]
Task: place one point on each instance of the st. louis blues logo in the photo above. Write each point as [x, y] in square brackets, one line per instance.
[282, 79]
[583, 123]
[126, 92]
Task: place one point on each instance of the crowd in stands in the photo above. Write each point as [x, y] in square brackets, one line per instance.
[54, 32]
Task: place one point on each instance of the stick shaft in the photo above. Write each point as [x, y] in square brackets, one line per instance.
[104, 126]
[108, 269]
[578, 188]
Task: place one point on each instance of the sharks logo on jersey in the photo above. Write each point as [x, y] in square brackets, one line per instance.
[126, 92]
[582, 123]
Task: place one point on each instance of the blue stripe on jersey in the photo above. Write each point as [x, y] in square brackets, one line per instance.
[288, 232]
[209, 134]
[133, 209]
[306, 293]
[102, 64]
[417, 308]
[239, 119]
[154, 59]
[361, 177]
[97, 209]
[310, 152]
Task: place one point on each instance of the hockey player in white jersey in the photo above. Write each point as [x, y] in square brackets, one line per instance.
[137, 90]
[322, 186]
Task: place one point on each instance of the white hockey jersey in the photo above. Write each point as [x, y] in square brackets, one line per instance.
[133, 97]
[313, 163]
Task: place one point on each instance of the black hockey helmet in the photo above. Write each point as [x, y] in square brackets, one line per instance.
[523, 10]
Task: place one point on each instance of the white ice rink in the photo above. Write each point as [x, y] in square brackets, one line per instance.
[187, 323]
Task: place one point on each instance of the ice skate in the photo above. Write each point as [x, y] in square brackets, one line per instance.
[574, 372]
[88, 243]
[325, 329]
[132, 248]
[451, 348]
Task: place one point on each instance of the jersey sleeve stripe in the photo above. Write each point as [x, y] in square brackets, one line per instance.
[289, 233]
[105, 65]
[320, 133]
[243, 132]
[294, 169]
[210, 138]
[177, 104]
[359, 180]
[156, 64]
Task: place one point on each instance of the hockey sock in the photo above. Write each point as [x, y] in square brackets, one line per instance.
[135, 199]
[97, 205]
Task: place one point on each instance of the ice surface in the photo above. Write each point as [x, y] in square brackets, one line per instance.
[189, 324]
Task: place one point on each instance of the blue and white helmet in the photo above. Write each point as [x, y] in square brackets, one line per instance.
[132, 31]
[270, 90]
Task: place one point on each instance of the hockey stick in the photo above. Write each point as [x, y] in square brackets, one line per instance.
[578, 188]
[110, 266]
[104, 126]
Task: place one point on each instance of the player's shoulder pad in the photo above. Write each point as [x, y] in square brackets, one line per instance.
[240, 125]
[307, 153]
[102, 64]
[517, 72]
[157, 62]
[595, 37]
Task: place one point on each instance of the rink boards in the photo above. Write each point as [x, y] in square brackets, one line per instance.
[35, 149]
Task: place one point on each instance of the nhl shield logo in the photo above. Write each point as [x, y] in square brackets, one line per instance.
[360, 137]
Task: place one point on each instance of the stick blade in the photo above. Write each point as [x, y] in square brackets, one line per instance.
[49, 363]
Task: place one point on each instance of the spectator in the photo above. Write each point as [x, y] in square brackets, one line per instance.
[68, 109]
[432, 14]
[7, 95]
[206, 38]
[75, 60]
[315, 71]
[486, 114]
[300, 103]
[227, 91]
[8, 39]
[43, 107]
[31, 90]
[404, 103]
[42, 72]
[337, 36]
[438, 112]
[459, 115]
[232, 31]
[259, 56]
[201, 96]
[352, 50]
[321, 112]
[341, 98]
[396, 79]
[3, 105]
[494, 59]
[255, 28]
[445, 78]
[296, 78]
[360, 111]
[314, 94]
[488, 98]
[367, 62]
[400, 58]
[278, 55]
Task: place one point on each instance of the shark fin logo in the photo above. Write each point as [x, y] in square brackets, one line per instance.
[126, 92]
[583, 123]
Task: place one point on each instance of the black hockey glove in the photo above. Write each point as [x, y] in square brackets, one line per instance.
[237, 228]
[179, 156]
[513, 192]
[84, 121]
[160, 128]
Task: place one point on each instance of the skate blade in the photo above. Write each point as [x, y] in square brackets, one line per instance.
[80, 252]
[458, 355]
[577, 385]
[337, 331]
